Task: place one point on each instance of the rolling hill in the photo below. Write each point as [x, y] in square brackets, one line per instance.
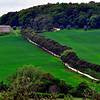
[85, 43]
[16, 52]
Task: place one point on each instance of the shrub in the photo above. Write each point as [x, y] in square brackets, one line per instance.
[29, 80]
[97, 97]
[83, 90]
[3, 87]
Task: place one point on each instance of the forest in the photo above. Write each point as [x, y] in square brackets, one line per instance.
[46, 17]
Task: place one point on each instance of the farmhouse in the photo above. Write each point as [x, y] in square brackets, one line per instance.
[5, 28]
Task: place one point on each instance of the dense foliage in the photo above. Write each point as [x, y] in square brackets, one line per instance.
[46, 17]
[74, 61]
[48, 44]
[30, 83]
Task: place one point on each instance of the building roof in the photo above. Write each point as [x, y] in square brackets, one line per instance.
[3, 26]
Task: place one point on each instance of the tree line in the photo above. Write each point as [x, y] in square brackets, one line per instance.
[61, 15]
[29, 83]
[71, 58]
[66, 53]
[48, 44]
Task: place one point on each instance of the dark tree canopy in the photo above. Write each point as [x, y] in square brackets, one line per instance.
[45, 17]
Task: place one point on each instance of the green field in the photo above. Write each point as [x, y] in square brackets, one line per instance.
[85, 43]
[16, 52]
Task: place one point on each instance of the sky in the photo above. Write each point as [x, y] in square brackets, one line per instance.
[16, 5]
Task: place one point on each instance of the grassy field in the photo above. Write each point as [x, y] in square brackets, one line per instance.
[16, 52]
[85, 43]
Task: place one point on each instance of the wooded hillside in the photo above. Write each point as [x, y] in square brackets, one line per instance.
[45, 17]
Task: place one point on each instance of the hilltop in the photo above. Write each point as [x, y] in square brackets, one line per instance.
[46, 17]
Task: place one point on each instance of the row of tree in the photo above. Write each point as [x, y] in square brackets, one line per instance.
[66, 53]
[74, 61]
[48, 44]
[46, 17]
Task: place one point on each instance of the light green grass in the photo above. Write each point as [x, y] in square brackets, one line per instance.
[85, 43]
[16, 52]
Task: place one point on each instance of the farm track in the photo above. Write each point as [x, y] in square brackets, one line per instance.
[67, 65]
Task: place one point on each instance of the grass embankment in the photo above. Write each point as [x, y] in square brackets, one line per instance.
[85, 43]
[16, 52]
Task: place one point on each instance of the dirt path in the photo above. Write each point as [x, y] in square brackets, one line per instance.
[74, 70]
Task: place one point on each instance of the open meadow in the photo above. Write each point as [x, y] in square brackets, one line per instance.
[16, 52]
[85, 43]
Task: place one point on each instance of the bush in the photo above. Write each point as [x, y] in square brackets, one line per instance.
[97, 97]
[29, 80]
[82, 90]
[3, 87]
